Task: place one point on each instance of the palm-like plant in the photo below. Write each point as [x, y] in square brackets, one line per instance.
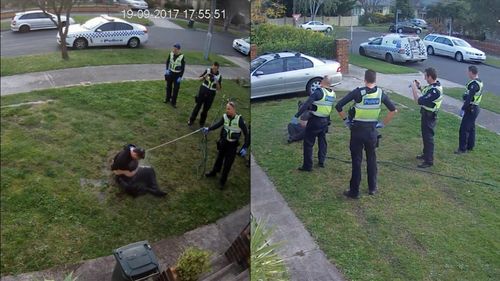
[265, 264]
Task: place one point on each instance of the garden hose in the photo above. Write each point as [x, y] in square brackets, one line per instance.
[421, 170]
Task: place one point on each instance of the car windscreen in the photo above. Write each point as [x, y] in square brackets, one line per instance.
[460, 42]
[256, 63]
[92, 23]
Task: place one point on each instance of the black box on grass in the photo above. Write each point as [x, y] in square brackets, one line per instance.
[135, 262]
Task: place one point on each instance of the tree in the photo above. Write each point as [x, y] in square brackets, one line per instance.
[273, 9]
[58, 7]
[344, 7]
[407, 10]
[312, 6]
[369, 5]
[232, 7]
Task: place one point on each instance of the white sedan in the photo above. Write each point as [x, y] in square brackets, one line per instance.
[317, 26]
[242, 45]
[454, 47]
[33, 20]
[105, 31]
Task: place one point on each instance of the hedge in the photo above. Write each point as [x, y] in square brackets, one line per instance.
[279, 38]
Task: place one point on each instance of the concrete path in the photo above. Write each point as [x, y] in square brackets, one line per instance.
[216, 238]
[103, 74]
[165, 23]
[303, 258]
[399, 84]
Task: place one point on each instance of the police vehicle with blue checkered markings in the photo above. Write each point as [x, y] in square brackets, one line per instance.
[395, 48]
[105, 31]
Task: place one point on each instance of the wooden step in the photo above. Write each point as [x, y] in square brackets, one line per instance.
[243, 276]
[231, 270]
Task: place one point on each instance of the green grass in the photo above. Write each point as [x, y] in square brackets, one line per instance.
[204, 26]
[379, 65]
[94, 57]
[144, 21]
[420, 226]
[49, 219]
[5, 25]
[489, 100]
[493, 61]
[377, 27]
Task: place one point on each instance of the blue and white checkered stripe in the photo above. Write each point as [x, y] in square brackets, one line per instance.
[110, 33]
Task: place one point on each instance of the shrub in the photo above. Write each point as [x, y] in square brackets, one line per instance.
[192, 263]
[275, 38]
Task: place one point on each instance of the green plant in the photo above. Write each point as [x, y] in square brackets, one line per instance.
[265, 264]
[192, 263]
[274, 38]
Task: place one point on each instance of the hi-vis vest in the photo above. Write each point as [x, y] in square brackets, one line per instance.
[232, 128]
[325, 104]
[369, 108]
[477, 96]
[438, 101]
[212, 85]
[175, 65]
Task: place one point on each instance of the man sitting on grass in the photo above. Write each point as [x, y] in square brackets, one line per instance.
[134, 179]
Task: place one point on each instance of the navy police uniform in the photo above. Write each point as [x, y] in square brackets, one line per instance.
[472, 98]
[320, 104]
[364, 118]
[430, 103]
[175, 64]
[206, 95]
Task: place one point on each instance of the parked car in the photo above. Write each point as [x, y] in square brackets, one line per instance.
[288, 72]
[242, 45]
[453, 47]
[105, 31]
[135, 4]
[394, 48]
[33, 20]
[317, 26]
[405, 27]
[419, 22]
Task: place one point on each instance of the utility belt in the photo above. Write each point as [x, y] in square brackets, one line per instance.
[428, 114]
[363, 124]
[223, 142]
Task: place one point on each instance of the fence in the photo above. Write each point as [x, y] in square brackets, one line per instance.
[337, 21]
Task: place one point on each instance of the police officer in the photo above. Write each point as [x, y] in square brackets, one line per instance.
[320, 103]
[363, 122]
[470, 111]
[430, 102]
[134, 179]
[228, 143]
[175, 65]
[212, 82]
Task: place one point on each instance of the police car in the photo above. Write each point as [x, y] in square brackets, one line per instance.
[395, 48]
[105, 31]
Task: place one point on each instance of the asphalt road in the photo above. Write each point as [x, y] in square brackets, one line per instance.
[44, 41]
[447, 68]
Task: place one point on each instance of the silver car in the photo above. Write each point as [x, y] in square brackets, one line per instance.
[287, 72]
[32, 20]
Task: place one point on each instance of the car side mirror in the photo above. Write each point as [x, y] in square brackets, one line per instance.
[258, 73]
[98, 30]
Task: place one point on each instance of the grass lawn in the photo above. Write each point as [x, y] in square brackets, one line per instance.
[204, 26]
[5, 25]
[420, 226]
[377, 27]
[493, 61]
[48, 218]
[489, 101]
[144, 21]
[379, 65]
[98, 56]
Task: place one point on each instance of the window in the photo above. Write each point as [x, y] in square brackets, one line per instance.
[110, 26]
[274, 66]
[123, 26]
[297, 63]
[440, 40]
[377, 41]
[429, 38]
[447, 42]
[29, 16]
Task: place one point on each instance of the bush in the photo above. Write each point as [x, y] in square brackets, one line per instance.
[192, 263]
[275, 38]
[180, 6]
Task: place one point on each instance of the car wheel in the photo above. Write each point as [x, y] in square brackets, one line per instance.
[388, 58]
[362, 51]
[400, 30]
[328, 30]
[80, 44]
[459, 57]
[418, 31]
[312, 85]
[430, 50]
[24, 29]
[133, 42]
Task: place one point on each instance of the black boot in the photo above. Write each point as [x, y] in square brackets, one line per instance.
[211, 174]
